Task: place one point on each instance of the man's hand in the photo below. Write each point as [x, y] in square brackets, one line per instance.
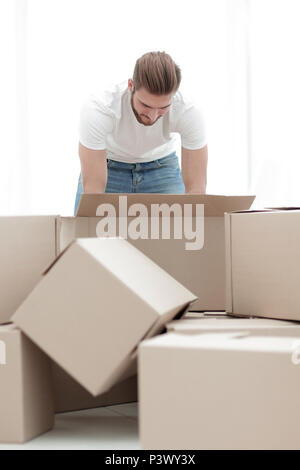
[93, 169]
[194, 170]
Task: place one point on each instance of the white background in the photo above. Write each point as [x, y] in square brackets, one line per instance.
[239, 61]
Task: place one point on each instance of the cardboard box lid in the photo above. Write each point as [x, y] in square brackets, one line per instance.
[215, 205]
[250, 211]
[95, 303]
[230, 323]
[228, 341]
[266, 210]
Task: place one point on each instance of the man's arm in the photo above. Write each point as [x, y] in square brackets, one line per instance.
[194, 170]
[93, 169]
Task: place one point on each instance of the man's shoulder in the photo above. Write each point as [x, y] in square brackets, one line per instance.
[183, 100]
[107, 101]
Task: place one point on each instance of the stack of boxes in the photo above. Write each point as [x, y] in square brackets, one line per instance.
[80, 305]
[86, 312]
[231, 381]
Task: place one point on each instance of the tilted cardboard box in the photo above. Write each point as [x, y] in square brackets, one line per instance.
[28, 245]
[201, 270]
[263, 264]
[26, 398]
[94, 304]
[219, 391]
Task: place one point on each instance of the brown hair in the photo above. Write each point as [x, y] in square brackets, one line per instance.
[157, 73]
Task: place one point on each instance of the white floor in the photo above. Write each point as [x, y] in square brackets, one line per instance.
[111, 428]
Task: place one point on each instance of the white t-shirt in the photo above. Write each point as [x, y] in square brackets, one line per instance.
[108, 122]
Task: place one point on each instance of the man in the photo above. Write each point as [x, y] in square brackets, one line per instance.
[127, 136]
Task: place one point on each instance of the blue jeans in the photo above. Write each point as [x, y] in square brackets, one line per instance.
[158, 176]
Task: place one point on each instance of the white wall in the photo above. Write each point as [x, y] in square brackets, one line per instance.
[239, 60]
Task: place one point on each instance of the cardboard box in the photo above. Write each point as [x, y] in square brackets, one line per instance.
[94, 304]
[202, 270]
[228, 323]
[263, 264]
[26, 398]
[28, 245]
[69, 395]
[219, 391]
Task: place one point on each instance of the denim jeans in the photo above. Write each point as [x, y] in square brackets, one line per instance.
[158, 176]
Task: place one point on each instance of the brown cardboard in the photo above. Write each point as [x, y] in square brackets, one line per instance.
[262, 264]
[219, 391]
[69, 395]
[26, 398]
[216, 205]
[28, 245]
[209, 314]
[93, 306]
[201, 271]
[284, 208]
[226, 323]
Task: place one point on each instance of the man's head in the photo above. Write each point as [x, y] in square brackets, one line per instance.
[156, 78]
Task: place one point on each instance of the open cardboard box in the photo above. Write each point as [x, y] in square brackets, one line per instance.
[200, 270]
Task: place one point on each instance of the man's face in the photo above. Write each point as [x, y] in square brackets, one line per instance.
[148, 108]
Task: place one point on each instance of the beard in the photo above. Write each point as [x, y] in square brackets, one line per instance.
[140, 116]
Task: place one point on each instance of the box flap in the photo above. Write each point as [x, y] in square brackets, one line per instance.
[284, 208]
[215, 205]
[257, 325]
[252, 211]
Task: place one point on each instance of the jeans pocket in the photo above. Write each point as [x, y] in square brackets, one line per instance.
[169, 162]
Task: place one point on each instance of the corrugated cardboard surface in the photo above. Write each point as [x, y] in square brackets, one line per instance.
[218, 391]
[94, 305]
[263, 268]
[28, 245]
[215, 205]
[201, 271]
[26, 398]
[69, 395]
[228, 323]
